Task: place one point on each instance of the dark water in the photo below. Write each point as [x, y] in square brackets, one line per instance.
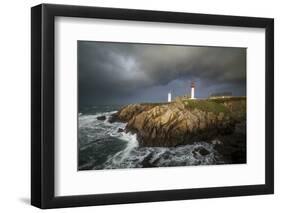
[101, 146]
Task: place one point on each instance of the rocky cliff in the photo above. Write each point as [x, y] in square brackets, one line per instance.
[186, 121]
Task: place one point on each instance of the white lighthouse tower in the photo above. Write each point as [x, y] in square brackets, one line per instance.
[169, 96]
[192, 90]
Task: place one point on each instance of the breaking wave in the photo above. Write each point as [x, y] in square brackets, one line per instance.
[104, 145]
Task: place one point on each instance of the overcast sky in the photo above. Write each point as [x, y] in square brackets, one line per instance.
[122, 73]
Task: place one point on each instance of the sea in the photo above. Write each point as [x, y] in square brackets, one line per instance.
[102, 146]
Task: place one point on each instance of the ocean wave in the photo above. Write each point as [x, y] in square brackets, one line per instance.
[105, 147]
[92, 130]
[187, 155]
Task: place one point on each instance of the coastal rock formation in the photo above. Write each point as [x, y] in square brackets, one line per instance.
[101, 118]
[183, 122]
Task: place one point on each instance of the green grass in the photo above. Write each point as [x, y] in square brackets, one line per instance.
[223, 100]
[206, 105]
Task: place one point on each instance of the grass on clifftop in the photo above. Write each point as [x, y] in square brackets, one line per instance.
[206, 105]
[223, 100]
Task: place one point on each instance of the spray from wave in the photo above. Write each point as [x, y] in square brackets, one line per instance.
[104, 145]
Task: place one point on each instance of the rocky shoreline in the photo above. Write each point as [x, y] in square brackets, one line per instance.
[221, 122]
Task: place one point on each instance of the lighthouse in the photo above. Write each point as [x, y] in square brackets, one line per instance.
[192, 90]
[169, 96]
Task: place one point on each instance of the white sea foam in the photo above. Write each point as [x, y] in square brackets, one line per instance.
[163, 156]
[122, 156]
[98, 129]
[132, 155]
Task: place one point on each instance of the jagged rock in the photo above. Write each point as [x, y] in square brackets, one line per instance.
[201, 150]
[128, 112]
[120, 130]
[177, 123]
[240, 127]
[101, 118]
[146, 161]
[233, 147]
[113, 118]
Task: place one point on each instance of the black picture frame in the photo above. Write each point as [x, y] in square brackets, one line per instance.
[43, 102]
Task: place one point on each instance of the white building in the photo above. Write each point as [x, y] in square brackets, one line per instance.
[192, 90]
[169, 97]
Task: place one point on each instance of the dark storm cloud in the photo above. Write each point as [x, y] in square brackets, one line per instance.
[122, 72]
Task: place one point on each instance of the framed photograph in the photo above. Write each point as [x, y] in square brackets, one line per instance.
[139, 106]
